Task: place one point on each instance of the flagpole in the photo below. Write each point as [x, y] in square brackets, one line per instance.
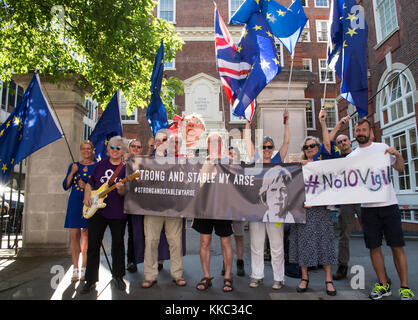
[290, 79]
[63, 133]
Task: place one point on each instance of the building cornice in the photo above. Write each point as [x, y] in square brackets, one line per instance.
[205, 33]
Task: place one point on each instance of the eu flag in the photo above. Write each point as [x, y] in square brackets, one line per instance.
[347, 52]
[246, 10]
[31, 126]
[256, 48]
[286, 23]
[156, 113]
[108, 126]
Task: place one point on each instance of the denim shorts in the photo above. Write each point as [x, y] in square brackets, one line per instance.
[379, 222]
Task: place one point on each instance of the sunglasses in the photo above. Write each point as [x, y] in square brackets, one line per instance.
[117, 147]
[161, 140]
[312, 145]
[268, 147]
[342, 140]
[135, 146]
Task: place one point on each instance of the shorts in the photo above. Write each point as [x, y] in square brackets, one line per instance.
[223, 228]
[382, 221]
[238, 228]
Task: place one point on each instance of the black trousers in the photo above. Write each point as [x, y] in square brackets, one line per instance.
[130, 255]
[97, 226]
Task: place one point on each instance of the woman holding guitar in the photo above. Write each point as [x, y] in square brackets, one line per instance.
[107, 172]
[77, 176]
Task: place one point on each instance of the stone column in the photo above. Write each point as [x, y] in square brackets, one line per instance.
[45, 199]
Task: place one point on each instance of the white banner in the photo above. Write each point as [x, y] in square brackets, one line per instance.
[347, 180]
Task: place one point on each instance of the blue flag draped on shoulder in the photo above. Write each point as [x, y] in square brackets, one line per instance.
[257, 48]
[286, 23]
[108, 126]
[347, 51]
[31, 126]
[156, 113]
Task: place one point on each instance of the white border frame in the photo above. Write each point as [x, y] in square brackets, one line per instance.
[174, 12]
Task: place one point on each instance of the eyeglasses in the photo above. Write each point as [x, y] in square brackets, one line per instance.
[267, 147]
[312, 145]
[135, 146]
[161, 140]
[117, 147]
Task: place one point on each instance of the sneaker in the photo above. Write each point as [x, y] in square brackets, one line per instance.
[379, 291]
[255, 283]
[406, 294]
[277, 285]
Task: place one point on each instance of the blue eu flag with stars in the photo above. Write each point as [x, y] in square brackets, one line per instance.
[347, 52]
[108, 126]
[286, 23]
[156, 113]
[257, 48]
[31, 126]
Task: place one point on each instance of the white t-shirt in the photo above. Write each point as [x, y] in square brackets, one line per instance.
[377, 147]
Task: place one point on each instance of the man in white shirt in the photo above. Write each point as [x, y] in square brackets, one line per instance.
[383, 218]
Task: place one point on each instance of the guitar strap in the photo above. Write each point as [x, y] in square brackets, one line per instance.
[115, 174]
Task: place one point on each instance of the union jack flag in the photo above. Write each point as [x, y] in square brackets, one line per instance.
[232, 68]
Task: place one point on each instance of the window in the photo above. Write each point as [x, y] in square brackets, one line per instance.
[385, 17]
[90, 119]
[167, 10]
[310, 114]
[321, 3]
[323, 68]
[233, 6]
[305, 36]
[307, 64]
[332, 116]
[170, 65]
[352, 125]
[396, 100]
[10, 95]
[304, 3]
[131, 118]
[279, 47]
[409, 215]
[405, 141]
[321, 30]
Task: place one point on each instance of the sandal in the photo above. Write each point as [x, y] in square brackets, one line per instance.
[330, 293]
[299, 289]
[75, 276]
[180, 282]
[228, 285]
[148, 283]
[83, 274]
[205, 283]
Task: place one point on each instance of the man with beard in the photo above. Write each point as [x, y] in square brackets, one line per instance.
[383, 218]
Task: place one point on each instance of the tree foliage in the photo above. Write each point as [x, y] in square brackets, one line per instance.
[111, 43]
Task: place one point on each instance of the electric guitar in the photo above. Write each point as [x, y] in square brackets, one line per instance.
[97, 196]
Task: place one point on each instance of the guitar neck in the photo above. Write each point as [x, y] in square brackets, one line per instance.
[104, 193]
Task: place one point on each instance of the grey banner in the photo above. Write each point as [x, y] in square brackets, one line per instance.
[271, 193]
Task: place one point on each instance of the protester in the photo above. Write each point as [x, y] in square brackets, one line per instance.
[134, 149]
[274, 230]
[312, 244]
[237, 226]
[153, 226]
[383, 219]
[222, 228]
[346, 212]
[109, 171]
[77, 176]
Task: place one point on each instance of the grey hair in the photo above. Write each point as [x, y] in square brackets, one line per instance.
[272, 176]
[117, 140]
